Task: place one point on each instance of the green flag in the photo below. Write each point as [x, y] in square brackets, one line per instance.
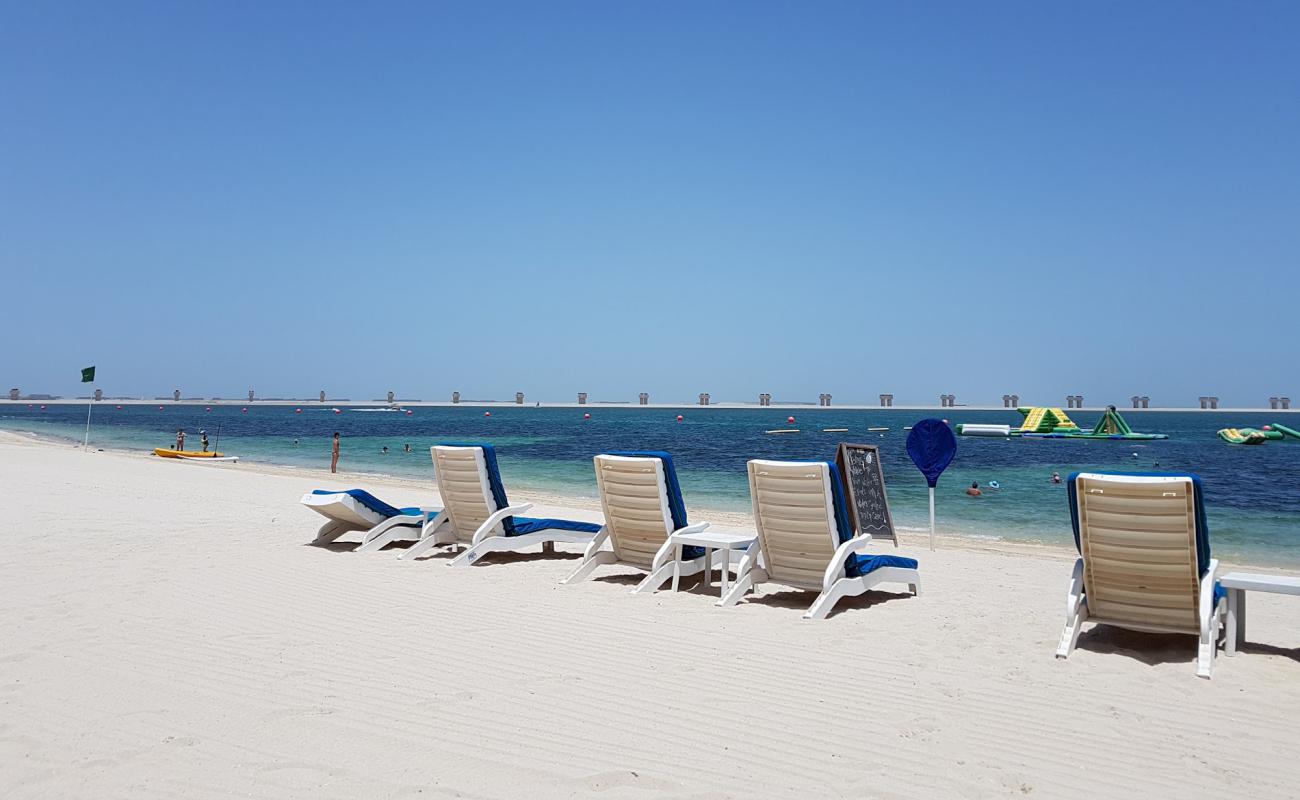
[88, 375]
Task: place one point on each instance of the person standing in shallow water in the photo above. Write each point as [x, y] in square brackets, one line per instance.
[334, 456]
[180, 439]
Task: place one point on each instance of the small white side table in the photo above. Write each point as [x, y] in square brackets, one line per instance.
[1237, 584]
[710, 541]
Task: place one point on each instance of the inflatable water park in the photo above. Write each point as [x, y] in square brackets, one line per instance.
[1046, 422]
[1272, 432]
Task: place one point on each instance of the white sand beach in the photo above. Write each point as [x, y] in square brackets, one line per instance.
[166, 630]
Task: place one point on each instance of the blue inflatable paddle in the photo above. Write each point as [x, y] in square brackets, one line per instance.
[931, 444]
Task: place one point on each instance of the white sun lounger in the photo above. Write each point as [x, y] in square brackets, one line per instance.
[479, 517]
[643, 506]
[1144, 560]
[805, 539]
[358, 510]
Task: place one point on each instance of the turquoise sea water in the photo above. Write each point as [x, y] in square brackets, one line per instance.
[1253, 492]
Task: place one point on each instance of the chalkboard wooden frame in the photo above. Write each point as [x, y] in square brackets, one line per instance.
[850, 495]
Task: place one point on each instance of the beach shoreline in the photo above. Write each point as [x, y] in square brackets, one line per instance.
[946, 536]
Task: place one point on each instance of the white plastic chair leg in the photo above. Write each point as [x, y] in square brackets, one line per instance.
[330, 531]
[471, 554]
[588, 566]
[1070, 636]
[657, 578]
[743, 584]
[384, 534]
[1209, 643]
[421, 547]
[827, 600]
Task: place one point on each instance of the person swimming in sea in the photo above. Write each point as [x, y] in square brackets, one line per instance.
[385, 450]
[974, 490]
[407, 448]
[1056, 477]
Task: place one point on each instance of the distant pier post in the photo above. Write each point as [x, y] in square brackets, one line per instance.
[582, 398]
[455, 397]
[1006, 401]
[14, 394]
[390, 397]
[519, 398]
[1015, 401]
[1137, 401]
[1284, 402]
[99, 395]
[1272, 403]
[176, 395]
[704, 398]
[644, 398]
[250, 395]
[947, 401]
[1146, 401]
[322, 395]
[886, 400]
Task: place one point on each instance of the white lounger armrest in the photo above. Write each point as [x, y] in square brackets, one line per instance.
[1075, 595]
[599, 539]
[665, 551]
[433, 523]
[495, 519]
[842, 553]
[1207, 596]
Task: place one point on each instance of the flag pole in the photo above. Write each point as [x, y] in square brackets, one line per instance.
[89, 405]
[932, 518]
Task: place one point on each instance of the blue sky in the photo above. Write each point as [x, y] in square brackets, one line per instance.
[855, 198]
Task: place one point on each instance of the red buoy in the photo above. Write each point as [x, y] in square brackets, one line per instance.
[1267, 428]
[209, 408]
[409, 412]
[487, 413]
[119, 408]
[586, 416]
[336, 411]
[160, 408]
[790, 420]
[680, 418]
[244, 410]
[297, 411]
[43, 407]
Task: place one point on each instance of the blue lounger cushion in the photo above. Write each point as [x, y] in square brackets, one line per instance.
[373, 503]
[1198, 498]
[676, 505]
[518, 526]
[858, 564]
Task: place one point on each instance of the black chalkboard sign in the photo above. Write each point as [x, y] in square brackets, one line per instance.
[864, 490]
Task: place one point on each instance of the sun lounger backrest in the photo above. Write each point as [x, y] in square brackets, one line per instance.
[1137, 535]
[795, 517]
[462, 477]
[634, 497]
